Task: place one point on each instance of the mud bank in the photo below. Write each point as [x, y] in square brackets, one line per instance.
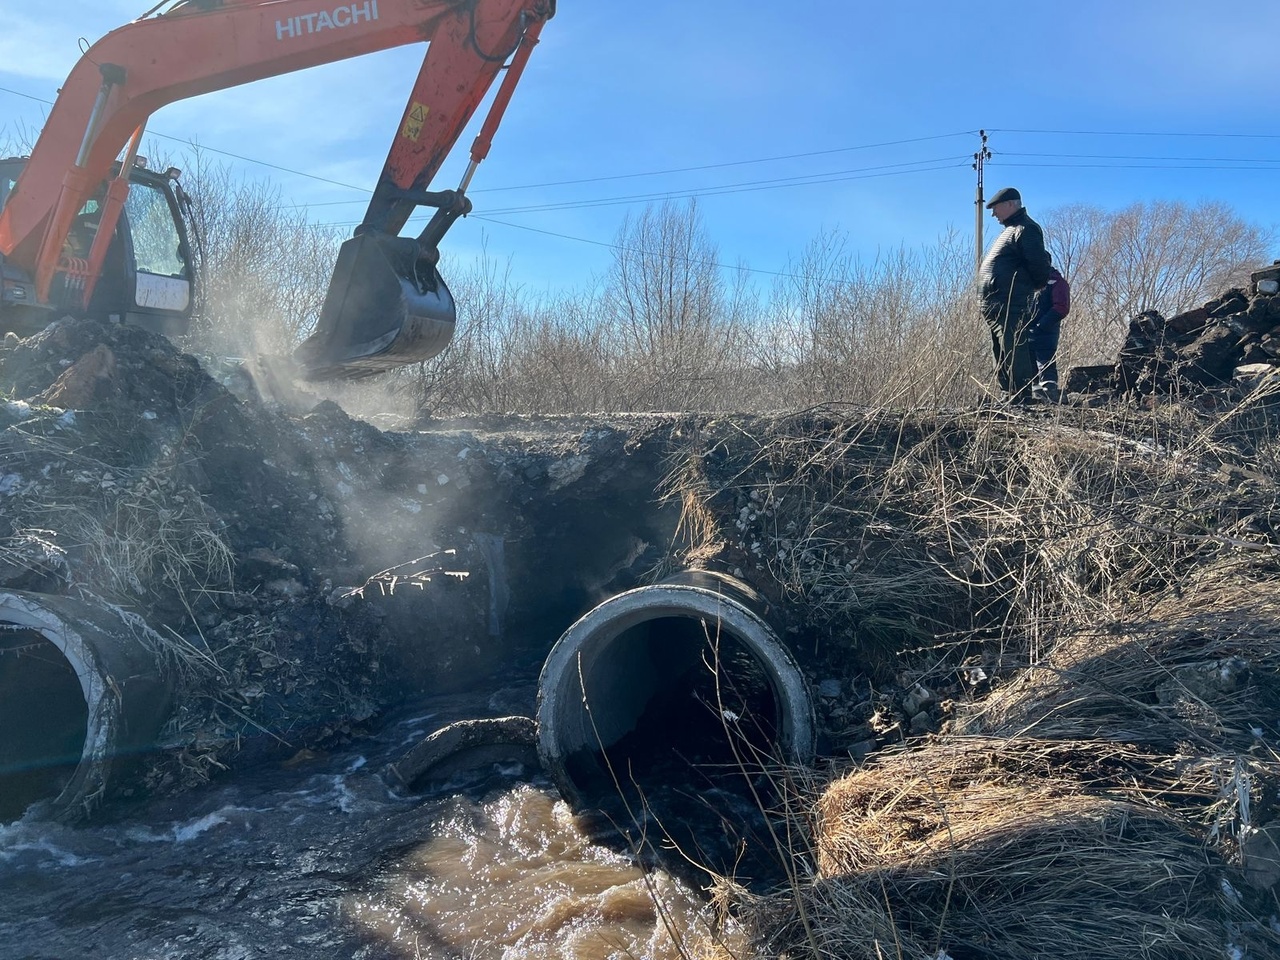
[936, 578]
[304, 568]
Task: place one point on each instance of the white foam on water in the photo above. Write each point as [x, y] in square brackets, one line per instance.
[191, 829]
[40, 839]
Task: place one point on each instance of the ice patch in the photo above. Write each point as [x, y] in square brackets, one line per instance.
[18, 408]
[10, 484]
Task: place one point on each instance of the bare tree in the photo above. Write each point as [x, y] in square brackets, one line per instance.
[900, 329]
[671, 328]
[666, 305]
[1167, 256]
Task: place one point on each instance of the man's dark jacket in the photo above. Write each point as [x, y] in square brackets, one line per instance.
[1013, 270]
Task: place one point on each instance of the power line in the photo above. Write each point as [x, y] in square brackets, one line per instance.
[27, 96]
[730, 163]
[686, 195]
[1105, 156]
[1140, 133]
[627, 249]
[536, 186]
[225, 153]
[710, 166]
[805, 180]
[1140, 166]
[1010, 130]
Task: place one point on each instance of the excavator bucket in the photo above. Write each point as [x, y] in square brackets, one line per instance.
[387, 306]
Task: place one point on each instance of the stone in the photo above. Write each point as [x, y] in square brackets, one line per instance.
[1260, 850]
[1190, 321]
[862, 749]
[1211, 357]
[467, 745]
[87, 382]
[1258, 313]
[1091, 379]
[917, 698]
[1253, 375]
[1233, 301]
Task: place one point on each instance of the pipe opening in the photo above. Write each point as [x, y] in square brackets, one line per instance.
[83, 693]
[700, 700]
[44, 717]
[670, 708]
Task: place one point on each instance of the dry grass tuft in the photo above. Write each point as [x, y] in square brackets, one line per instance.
[921, 855]
[127, 532]
[1198, 671]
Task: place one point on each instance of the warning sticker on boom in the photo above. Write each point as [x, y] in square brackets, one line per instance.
[414, 120]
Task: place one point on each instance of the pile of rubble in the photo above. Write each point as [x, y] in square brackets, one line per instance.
[1233, 338]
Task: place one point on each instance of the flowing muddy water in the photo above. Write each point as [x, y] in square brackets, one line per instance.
[319, 858]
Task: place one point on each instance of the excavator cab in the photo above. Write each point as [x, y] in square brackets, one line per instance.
[147, 277]
[387, 306]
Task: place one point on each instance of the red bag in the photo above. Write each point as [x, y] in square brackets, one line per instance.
[1059, 293]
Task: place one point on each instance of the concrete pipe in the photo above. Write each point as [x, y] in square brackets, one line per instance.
[82, 693]
[687, 666]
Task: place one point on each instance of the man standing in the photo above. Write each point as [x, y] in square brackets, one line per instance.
[1015, 268]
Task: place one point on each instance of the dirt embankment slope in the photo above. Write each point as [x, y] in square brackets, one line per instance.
[1045, 643]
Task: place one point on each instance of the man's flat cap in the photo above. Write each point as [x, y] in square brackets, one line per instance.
[1008, 193]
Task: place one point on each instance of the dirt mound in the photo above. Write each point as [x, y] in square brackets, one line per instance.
[308, 568]
[1231, 341]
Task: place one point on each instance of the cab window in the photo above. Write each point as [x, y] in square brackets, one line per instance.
[156, 244]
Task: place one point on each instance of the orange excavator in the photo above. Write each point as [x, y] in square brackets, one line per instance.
[86, 229]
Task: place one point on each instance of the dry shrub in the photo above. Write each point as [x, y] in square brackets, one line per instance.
[149, 539]
[1166, 256]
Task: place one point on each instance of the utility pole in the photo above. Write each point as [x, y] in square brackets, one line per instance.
[979, 161]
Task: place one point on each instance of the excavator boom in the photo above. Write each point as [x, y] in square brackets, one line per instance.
[386, 304]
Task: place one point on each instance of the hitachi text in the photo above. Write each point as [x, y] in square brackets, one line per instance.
[347, 15]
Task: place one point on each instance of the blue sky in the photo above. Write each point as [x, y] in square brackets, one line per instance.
[786, 119]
